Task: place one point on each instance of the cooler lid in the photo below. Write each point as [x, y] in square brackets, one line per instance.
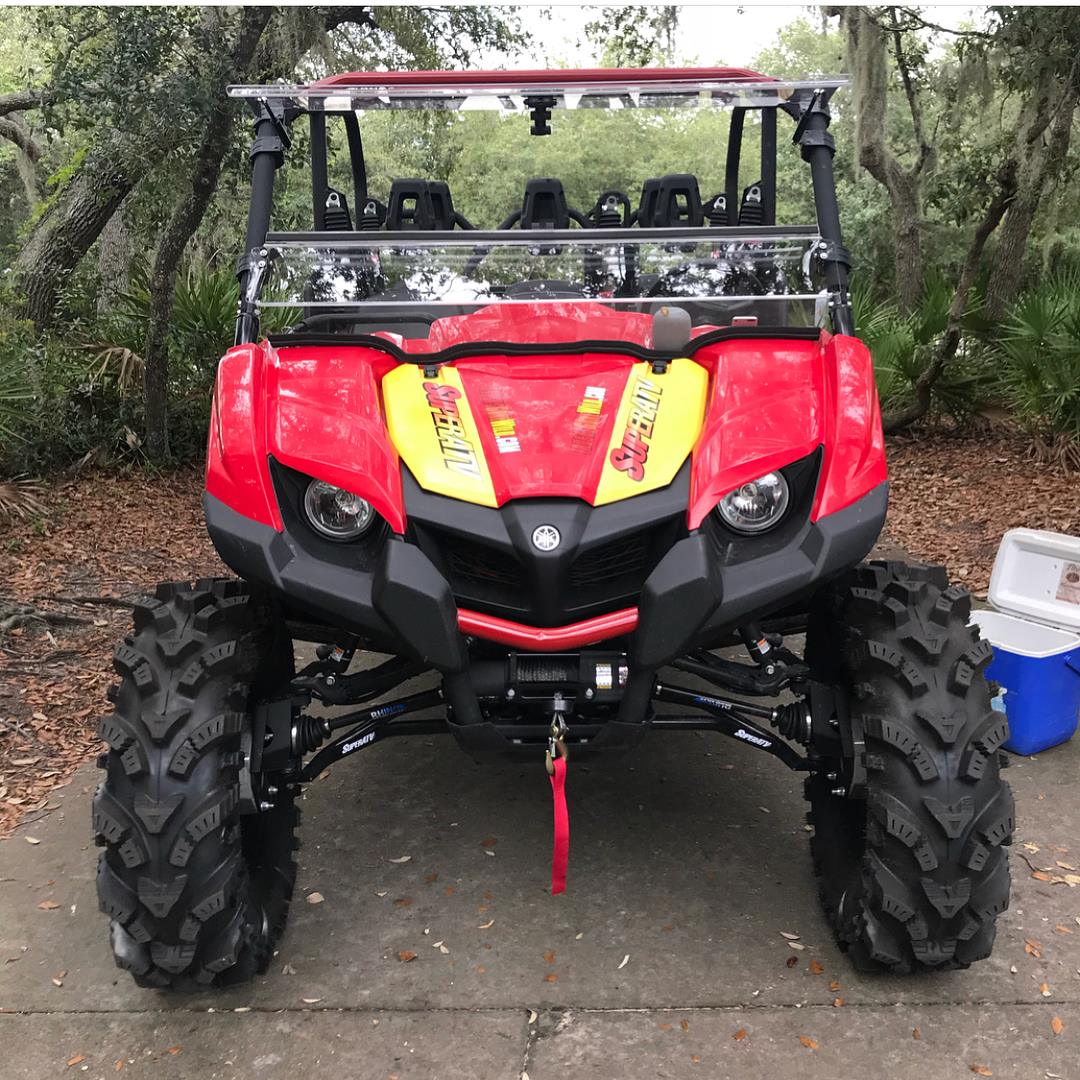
[1037, 575]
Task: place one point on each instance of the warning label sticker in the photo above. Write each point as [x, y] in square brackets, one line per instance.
[1069, 584]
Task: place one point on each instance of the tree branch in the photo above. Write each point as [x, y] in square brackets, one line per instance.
[950, 342]
[914, 105]
[21, 100]
[13, 131]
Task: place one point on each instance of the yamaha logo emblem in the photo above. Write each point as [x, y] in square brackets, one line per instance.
[546, 538]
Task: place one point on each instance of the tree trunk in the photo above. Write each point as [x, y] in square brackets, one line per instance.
[1043, 164]
[185, 219]
[114, 261]
[868, 57]
[950, 341]
[68, 229]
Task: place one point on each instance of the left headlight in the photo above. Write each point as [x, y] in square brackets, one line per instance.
[336, 513]
[756, 506]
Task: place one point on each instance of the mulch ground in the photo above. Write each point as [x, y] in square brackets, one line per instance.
[110, 537]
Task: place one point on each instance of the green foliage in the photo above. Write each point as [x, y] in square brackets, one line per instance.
[903, 344]
[16, 392]
[1039, 348]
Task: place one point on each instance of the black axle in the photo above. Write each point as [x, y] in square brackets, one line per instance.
[730, 718]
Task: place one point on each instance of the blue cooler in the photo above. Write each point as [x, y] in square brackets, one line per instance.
[1035, 632]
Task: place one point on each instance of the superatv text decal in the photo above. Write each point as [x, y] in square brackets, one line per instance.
[457, 451]
[630, 456]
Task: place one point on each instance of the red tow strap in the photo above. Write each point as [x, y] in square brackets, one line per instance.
[561, 851]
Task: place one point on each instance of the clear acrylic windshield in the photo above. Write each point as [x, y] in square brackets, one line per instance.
[717, 276]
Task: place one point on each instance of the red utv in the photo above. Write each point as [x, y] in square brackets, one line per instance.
[566, 462]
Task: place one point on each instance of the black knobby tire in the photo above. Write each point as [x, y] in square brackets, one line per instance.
[196, 892]
[914, 877]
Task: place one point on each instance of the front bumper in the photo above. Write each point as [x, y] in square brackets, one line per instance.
[399, 602]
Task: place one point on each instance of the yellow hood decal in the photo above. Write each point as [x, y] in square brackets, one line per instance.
[644, 427]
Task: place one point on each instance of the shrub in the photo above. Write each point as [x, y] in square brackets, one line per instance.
[1038, 345]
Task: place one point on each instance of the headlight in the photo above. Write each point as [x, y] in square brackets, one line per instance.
[337, 513]
[755, 506]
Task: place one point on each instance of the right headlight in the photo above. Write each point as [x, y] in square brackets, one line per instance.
[756, 506]
[336, 513]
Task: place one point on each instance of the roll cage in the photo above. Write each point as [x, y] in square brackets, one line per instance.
[539, 95]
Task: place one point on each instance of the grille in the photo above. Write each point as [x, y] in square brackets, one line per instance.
[474, 564]
[620, 559]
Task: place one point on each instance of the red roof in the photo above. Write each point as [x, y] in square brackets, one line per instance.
[559, 77]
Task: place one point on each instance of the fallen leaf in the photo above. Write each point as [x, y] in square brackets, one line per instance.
[173, 1050]
[797, 945]
[119, 1064]
[486, 926]
[405, 955]
[403, 901]
[1044, 989]
[403, 859]
[480, 969]
[815, 968]
[809, 1043]
[78, 1059]
[288, 969]
[315, 898]
[665, 1027]
[58, 978]
[1041, 875]
[551, 977]
[48, 905]
[834, 985]
[449, 890]
[311, 1001]
[838, 1002]
[791, 961]
[916, 1033]
[1065, 865]
[32, 840]
[489, 841]
[243, 1009]
[430, 879]
[443, 949]
[624, 962]
[685, 1025]
[1056, 1026]
[533, 1016]
[980, 1070]
[1033, 948]
[740, 1035]
[488, 851]
[549, 957]
[380, 895]
[1063, 929]
[695, 1059]
[789, 936]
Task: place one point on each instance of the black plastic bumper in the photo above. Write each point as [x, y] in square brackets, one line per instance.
[395, 598]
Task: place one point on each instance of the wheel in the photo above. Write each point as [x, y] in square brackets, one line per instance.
[197, 891]
[913, 875]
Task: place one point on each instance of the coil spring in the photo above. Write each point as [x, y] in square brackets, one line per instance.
[792, 720]
[308, 734]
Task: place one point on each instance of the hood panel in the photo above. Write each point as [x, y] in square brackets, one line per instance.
[595, 427]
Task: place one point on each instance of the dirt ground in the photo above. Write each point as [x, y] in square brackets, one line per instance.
[110, 537]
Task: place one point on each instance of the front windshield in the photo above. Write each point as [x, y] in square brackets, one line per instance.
[769, 279]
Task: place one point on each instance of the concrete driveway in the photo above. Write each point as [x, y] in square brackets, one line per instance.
[689, 857]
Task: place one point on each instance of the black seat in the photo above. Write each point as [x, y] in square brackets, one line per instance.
[544, 206]
[442, 204]
[410, 206]
[678, 201]
[646, 210]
